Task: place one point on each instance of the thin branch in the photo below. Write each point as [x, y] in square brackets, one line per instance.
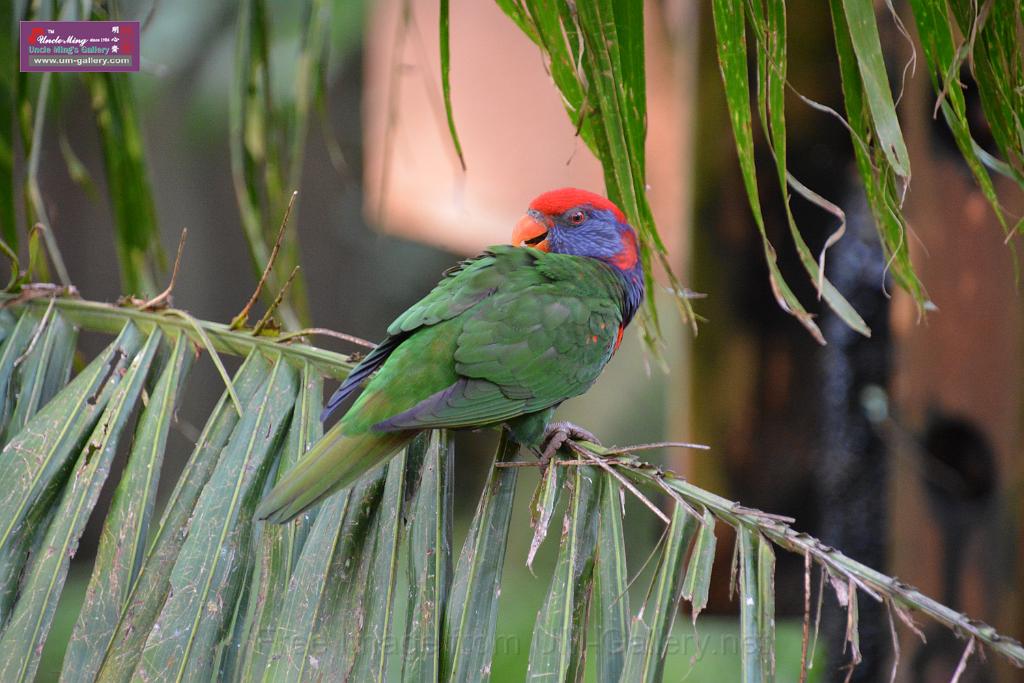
[102, 317]
[962, 666]
[871, 581]
[324, 332]
[559, 462]
[242, 318]
[268, 316]
[619, 450]
[36, 290]
[622, 480]
[679, 500]
[743, 509]
[895, 642]
[163, 299]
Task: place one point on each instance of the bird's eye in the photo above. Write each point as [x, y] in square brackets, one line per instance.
[576, 218]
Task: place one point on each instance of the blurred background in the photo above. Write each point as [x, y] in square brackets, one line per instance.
[901, 450]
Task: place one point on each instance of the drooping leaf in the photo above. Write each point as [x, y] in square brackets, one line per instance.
[34, 464]
[428, 554]
[698, 573]
[152, 585]
[770, 32]
[730, 34]
[596, 58]
[22, 642]
[267, 136]
[207, 574]
[881, 185]
[998, 67]
[867, 46]
[446, 87]
[472, 612]
[280, 544]
[944, 61]
[136, 232]
[613, 57]
[323, 581]
[611, 599]
[560, 633]
[248, 129]
[123, 540]
[650, 629]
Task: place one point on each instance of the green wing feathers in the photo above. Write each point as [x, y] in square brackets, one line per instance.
[509, 334]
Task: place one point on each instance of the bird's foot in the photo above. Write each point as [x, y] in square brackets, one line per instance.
[555, 436]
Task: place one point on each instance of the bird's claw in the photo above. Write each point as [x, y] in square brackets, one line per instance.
[555, 436]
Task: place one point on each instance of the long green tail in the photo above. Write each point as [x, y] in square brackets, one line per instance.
[334, 462]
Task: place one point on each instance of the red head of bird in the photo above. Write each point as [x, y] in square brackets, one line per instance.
[581, 223]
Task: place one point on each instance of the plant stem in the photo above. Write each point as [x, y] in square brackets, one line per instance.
[876, 584]
[101, 317]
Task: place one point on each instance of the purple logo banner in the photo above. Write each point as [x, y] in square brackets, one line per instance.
[79, 46]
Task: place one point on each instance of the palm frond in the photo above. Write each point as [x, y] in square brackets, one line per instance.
[594, 52]
[467, 637]
[213, 593]
[560, 634]
[648, 635]
[428, 552]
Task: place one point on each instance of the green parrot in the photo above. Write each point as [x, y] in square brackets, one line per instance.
[503, 339]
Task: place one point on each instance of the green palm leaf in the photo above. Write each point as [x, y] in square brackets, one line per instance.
[611, 596]
[215, 594]
[279, 547]
[429, 556]
[468, 634]
[208, 592]
[47, 569]
[212, 563]
[122, 544]
[142, 606]
[648, 635]
[560, 634]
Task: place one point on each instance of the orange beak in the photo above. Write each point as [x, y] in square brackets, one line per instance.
[530, 232]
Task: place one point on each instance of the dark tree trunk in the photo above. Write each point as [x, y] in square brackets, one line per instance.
[852, 470]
